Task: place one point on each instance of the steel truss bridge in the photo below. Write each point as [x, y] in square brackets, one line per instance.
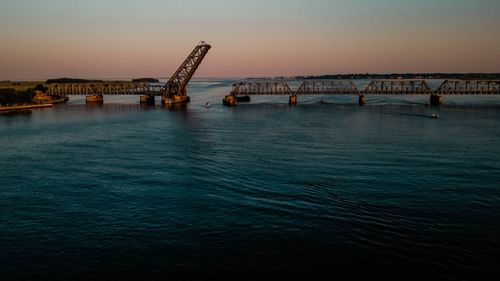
[174, 91]
[375, 87]
[105, 88]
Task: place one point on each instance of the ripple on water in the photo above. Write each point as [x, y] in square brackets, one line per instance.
[122, 191]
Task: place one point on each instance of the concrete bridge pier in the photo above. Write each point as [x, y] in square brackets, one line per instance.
[171, 100]
[230, 100]
[436, 100]
[292, 100]
[96, 99]
[243, 99]
[362, 100]
[147, 100]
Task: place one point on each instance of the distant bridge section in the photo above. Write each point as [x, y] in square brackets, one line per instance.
[270, 87]
[258, 88]
[398, 87]
[469, 87]
[375, 87]
[327, 87]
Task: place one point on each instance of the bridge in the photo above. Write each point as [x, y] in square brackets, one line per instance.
[242, 90]
[104, 88]
[173, 92]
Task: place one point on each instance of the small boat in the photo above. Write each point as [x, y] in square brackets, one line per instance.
[208, 104]
[434, 116]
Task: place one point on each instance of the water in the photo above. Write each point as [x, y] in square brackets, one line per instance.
[120, 192]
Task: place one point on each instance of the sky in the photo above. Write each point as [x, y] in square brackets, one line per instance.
[41, 39]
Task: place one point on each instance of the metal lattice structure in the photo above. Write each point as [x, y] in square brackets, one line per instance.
[375, 87]
[398, 87]
[103, 88]
[469, 87]
[176, 85]
[327, 87]
[261, 88]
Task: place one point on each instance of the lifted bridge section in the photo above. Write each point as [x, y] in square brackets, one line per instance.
[174, 91]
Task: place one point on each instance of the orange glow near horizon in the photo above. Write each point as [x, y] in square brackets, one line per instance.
[285, 38]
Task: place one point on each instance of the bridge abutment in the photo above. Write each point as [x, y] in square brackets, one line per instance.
[97, 99]
[243, 99]
[436, 100]
[230, 100]
[292, 100]
[362, 100]
[171, 100]
[147, 100]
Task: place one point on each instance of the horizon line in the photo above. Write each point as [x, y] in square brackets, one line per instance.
[257, 77]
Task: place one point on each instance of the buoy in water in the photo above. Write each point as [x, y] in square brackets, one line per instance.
[208, 104]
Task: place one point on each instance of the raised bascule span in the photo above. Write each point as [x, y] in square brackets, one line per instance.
[242, 90]
[175, 89]
[173, 92]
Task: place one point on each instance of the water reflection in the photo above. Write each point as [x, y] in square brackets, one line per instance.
[15, 112]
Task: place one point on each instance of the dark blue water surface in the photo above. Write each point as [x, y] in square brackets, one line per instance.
[262, 189]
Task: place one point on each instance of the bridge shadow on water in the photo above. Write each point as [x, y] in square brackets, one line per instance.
[122, 107]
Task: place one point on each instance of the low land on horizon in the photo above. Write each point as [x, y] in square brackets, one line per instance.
[23, 84]
[404, 76]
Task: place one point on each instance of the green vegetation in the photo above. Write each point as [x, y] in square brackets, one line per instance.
[19, 93]
[9, 97]
[19, 86]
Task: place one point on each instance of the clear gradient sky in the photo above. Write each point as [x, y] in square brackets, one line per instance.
[43, 39]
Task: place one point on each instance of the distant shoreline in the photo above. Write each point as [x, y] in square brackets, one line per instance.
[345, 76]
[353, 76]
[23, 107]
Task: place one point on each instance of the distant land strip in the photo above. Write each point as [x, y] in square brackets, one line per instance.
[81, 81]
[489, 76]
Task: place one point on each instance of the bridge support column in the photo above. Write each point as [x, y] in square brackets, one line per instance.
[230, 100]
[362, 100]
[243, 99]
[171, 100]
[147, 100]
[99, 99]
[292, 100]
[436, 100]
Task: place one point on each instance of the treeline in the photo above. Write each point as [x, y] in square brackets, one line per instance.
[148, 80]
[70, 80]
[78, 80]
[10, 97]
[491, 76]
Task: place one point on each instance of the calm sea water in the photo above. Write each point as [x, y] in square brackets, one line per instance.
[122, 192]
